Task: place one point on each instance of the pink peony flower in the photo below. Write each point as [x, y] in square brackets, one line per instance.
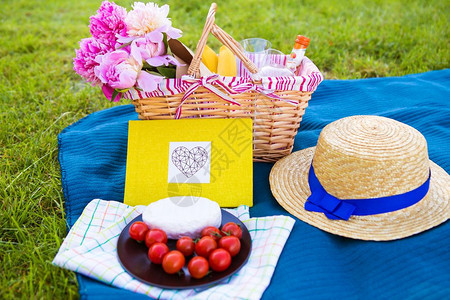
[151, 49]
[108, 23]
[116, 70]
[84, 60]
[146, 48]
[145, 18]
[119, 70]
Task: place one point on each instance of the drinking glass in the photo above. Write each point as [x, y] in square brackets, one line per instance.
[256, 45]
[256, 50]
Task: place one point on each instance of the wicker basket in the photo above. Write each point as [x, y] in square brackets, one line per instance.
[275, 120]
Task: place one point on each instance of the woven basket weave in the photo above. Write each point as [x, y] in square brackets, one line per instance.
[275, 122]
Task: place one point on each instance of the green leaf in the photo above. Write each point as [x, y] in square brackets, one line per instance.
[153, 73]
[114, 95]
[166, 44]
[167, 72]
[146, 66]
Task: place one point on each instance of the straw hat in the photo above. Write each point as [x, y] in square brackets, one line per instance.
[365, 157]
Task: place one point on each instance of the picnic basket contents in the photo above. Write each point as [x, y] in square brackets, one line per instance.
[136, 64]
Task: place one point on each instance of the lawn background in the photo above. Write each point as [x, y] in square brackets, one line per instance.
[40, 95]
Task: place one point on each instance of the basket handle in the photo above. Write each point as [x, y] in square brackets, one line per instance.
[224, 38]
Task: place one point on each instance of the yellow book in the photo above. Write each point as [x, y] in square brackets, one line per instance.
[209, 158]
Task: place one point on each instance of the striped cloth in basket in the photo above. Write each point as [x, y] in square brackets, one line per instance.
[307, 78]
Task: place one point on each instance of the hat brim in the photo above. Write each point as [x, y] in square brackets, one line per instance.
[289, 185]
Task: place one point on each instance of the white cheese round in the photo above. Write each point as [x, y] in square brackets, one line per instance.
[182, 216]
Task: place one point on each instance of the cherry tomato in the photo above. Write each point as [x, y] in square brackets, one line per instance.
[213, 232]
[232, 228]
[186, 246]
[219, 260]
[173, 262]
[198, 267]
[230, 243]
[157, 252]
[138, 230]
[155, 236]
[205, 245]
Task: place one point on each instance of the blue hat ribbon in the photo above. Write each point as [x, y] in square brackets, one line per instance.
[343, 209]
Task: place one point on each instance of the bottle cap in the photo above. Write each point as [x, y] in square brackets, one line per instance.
[301, 42]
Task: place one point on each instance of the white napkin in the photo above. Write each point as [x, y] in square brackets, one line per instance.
[90, 249]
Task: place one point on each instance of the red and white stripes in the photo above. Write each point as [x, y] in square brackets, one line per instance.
[307, 78]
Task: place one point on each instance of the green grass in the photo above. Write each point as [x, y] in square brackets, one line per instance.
[40, 95]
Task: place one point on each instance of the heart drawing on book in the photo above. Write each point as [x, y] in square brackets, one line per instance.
[188, 161]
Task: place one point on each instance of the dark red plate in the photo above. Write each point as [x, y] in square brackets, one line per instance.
[134, 259]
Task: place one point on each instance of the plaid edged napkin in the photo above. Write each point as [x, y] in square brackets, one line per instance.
[90, 249]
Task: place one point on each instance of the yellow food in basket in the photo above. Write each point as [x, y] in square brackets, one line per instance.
[210, 59]
[227, 62]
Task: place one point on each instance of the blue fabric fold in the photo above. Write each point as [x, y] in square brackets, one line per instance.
[342, 209]
[314, 264]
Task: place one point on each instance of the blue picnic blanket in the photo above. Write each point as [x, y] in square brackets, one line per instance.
[314, 264]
